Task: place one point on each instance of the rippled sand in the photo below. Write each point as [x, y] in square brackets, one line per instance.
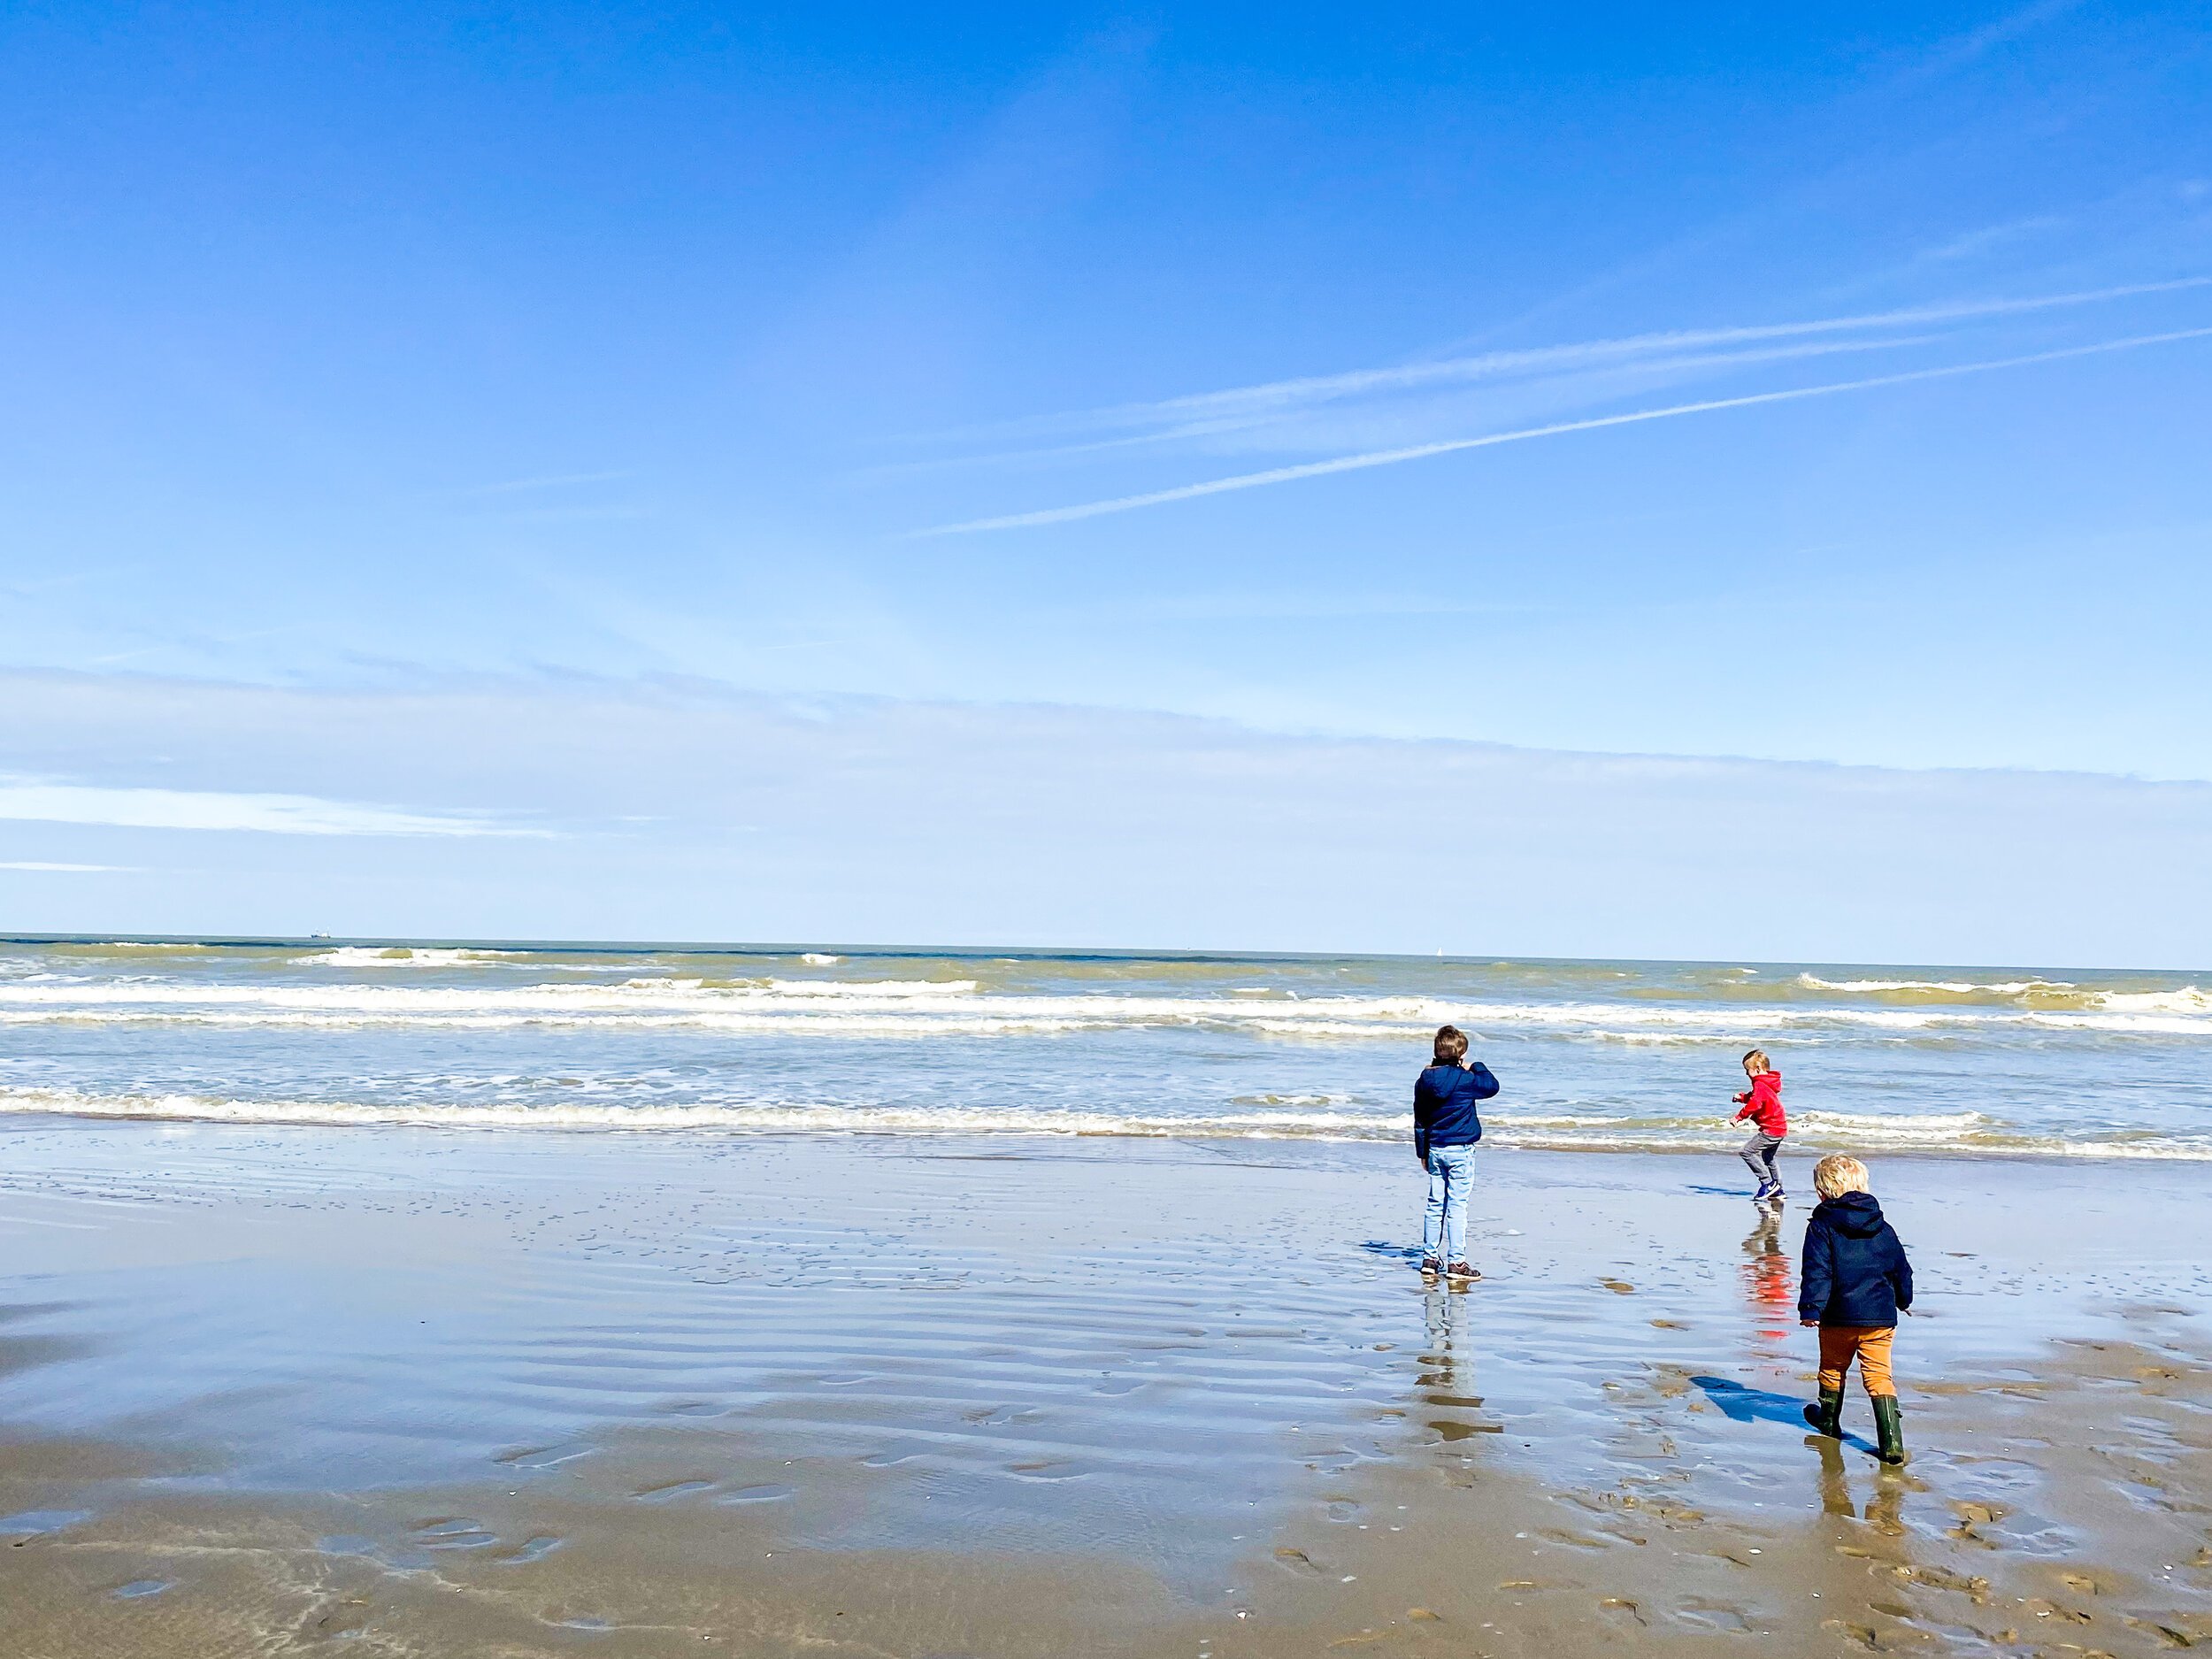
[441, 1393]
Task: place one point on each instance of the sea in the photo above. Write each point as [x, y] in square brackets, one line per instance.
[841, 1041]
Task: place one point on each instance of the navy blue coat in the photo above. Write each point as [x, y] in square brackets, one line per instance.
[1444, 1112]
[1855, 1270]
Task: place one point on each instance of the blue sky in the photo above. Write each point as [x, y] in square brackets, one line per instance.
[1817, 388]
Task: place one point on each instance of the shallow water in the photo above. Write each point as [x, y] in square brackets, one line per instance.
[1596, 1054]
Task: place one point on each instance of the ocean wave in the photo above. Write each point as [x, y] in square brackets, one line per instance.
[2187, 999]
[1292, 1118]
[2036, 996]
[922, 1008]
[405, 956]
[1947, 988]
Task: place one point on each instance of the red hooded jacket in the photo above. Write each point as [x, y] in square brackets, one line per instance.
[1762, 1104]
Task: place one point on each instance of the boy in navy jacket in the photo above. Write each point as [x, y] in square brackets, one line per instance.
[1446, 1126]
[1856, 1281]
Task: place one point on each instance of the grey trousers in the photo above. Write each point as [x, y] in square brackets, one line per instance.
[1759, 1151]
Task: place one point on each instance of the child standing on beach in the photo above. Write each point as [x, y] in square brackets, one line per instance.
[1855, 1283]
[1446, 1126]
[1762, 1103]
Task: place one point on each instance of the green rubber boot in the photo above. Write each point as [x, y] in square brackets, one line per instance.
[1827, 1417]
[1889, 1430]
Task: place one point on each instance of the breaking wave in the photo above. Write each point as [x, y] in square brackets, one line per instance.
[405, 956]
[922, 1008]
[1312, 1117]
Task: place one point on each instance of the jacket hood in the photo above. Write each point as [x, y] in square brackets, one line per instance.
[1855, 1215]
[1770, 1076]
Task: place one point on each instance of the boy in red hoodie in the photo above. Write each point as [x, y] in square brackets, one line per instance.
[1762, 1103]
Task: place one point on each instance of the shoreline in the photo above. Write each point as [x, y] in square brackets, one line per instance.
[704, 1122]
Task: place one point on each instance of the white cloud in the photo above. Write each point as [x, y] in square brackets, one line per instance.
[36, 801]
[877, 820]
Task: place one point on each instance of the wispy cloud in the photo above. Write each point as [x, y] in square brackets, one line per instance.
[1644, 369]
[40, 800]
[1423, 452]
[958, 824]
[1268, 399]
[1973, 244]
[42, 867]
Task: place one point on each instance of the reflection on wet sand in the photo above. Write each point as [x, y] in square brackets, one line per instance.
[1770, 1280]
[1447, 1381]
[1884, 1486]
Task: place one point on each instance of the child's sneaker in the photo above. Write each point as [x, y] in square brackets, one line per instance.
[1767, 1189]
[1461, 1273]
[1430, 1268]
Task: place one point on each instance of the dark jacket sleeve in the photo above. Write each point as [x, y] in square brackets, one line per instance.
[1486, 1085]
[1900, 1274]
[1819, 1275]
[1424, 1114]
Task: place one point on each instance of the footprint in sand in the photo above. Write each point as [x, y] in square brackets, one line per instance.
[530, 1549]
[544, 1456]
[672, 1489]
[1046, 1469]
[452, 1532]
[138, 1589]
[764, 1494]
[1711, 1616]
[899, 1452]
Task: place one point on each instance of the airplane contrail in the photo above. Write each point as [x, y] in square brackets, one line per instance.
[1450, 446]
[1273, 395]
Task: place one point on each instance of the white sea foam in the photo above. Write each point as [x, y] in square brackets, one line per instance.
[1949, 987]
[1293, 1118]
[922, 1008]
[405, 956]
[819, 959]
[2187, 999]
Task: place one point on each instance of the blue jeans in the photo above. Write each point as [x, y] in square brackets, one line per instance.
[1451, 1178]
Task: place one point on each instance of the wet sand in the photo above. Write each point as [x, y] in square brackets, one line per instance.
[435, 1392]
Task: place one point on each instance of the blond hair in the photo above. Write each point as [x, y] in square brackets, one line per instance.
[1760, 1056]
[1838, 1173]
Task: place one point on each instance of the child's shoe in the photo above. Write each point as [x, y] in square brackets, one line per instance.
[1461, 1275]
[1767, 1189]
[1827, 1417]
[1430, 1268]
[1889, 1430]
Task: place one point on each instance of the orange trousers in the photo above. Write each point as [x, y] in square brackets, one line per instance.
[1869, 1344]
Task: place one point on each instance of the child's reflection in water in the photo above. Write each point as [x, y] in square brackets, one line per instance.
[1447, 1371]
[1885, 1506]
[1768, 1284]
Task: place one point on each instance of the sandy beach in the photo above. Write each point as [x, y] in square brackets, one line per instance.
[522, 1392]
